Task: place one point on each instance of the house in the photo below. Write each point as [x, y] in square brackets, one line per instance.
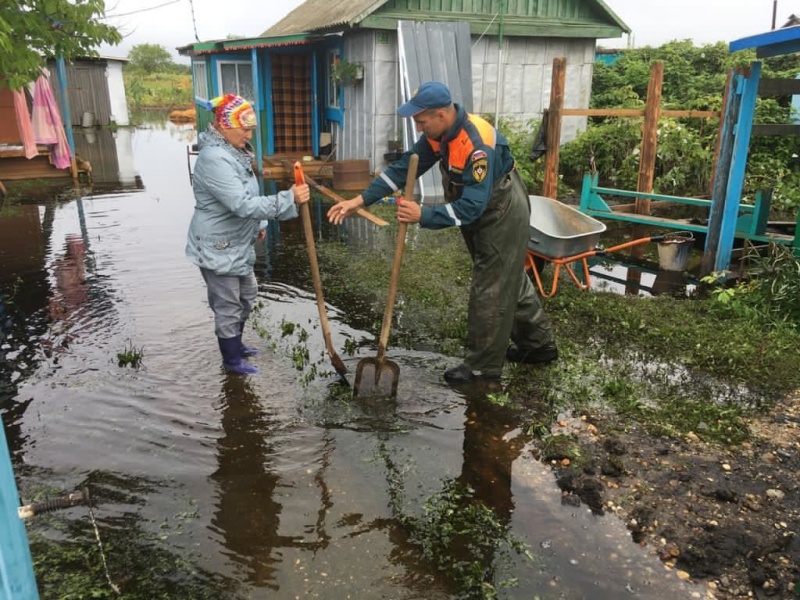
[291, 70]
[95, 92]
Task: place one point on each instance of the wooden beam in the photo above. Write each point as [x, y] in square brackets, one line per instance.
[778, 87]
[776, 129]
[647, 158]
[638, 112]
[557, 89]
[725, 99]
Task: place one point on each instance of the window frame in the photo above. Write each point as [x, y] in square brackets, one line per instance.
[198, 94]
[238, 91]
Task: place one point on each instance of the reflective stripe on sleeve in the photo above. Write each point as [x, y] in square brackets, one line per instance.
[389, 182]
[452, 215]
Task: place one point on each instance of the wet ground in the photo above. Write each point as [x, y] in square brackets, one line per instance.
[275, 485]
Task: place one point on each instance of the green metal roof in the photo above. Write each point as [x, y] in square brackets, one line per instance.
[538, 18]
[245, 43]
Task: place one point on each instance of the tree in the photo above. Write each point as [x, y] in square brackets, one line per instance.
[152, 58]
[33, 31]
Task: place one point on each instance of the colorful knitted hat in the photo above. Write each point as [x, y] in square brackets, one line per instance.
[232, 111]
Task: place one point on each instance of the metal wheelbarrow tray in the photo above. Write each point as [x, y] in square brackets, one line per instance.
[559, 231]
[562, 235]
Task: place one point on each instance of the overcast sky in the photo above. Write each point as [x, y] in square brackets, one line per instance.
[170, 23]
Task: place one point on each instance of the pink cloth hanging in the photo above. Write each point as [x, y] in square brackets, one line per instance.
[24, 124]
[46, 121]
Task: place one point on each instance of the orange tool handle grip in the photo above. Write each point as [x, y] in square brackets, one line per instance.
[299, 178]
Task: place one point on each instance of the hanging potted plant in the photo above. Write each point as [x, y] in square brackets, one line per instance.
[343, 72]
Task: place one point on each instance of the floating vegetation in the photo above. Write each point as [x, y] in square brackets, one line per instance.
[130, 356]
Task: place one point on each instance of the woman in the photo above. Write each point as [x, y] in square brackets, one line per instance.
[229, 216]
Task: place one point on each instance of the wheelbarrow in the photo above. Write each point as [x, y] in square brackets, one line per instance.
[562, 235]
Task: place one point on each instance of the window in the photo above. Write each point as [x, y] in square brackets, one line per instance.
[334, 91]
[236, 78]
[199, 79]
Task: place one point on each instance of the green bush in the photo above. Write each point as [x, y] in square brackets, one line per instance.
[694, 78]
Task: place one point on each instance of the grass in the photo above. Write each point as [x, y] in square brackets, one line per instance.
[158, 90]
[672, 365]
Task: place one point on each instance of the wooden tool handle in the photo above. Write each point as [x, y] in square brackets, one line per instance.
[399, 247]
[305, 214]
[334, 196]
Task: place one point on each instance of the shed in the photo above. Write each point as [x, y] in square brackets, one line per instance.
[288, 69]
[96, 91]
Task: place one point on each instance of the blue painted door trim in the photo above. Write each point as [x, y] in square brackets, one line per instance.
[741, 145]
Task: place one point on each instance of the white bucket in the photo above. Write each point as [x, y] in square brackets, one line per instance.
[673, 251]
[87, 119]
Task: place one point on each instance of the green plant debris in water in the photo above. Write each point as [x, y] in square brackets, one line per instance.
[130, 356]
[672, 364]
[455, 533]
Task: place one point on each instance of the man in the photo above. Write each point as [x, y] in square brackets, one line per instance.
[488, 201]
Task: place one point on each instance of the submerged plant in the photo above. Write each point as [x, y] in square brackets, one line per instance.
[456, 533]
[130, 356]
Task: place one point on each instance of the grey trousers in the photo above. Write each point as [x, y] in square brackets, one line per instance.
[231, 298]
[503, 303]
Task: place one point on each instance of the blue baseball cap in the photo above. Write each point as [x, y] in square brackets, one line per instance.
[430, 94]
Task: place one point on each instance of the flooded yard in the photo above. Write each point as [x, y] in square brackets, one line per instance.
[277, 485]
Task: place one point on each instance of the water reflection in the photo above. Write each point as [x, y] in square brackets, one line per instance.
[110, 154]
[247, 514]
[293, 491]
[636, 278]
[24, 285]
[490, 448]
[69, 297]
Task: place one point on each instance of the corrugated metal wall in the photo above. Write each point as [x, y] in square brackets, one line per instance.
[369, 102]
[520, 93]
[526, 77]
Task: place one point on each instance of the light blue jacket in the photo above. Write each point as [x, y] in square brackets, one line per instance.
[228, 210]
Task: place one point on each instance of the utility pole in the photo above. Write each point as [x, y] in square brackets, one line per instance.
[774, 13]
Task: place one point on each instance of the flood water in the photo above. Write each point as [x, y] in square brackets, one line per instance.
[269, 486]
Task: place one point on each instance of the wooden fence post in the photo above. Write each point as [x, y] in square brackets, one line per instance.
[647, 158]
[554, 118]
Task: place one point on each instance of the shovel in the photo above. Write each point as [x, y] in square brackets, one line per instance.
[377, 377]
[338, 364]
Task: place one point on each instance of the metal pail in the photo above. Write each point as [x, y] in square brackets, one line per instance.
[673, 251]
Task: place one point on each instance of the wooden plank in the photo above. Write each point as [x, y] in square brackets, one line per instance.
[776, 129]
[637, 112]
[337, 198]
[722, 172]
[631, 207]
[550, 185]
[725, 100]
[38, 167]
[778, 87]
[278, 173]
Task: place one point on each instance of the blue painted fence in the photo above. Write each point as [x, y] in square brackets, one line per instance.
[17, 581]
